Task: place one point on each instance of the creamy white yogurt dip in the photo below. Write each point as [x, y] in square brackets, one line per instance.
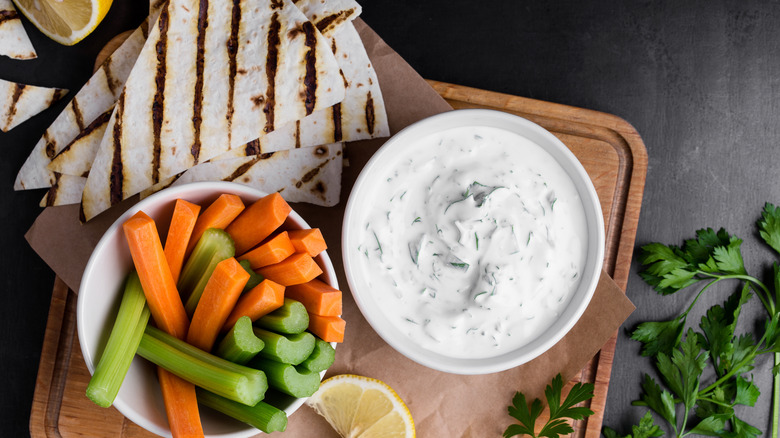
[474, 244]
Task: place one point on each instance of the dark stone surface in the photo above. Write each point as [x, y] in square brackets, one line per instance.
[698, 80]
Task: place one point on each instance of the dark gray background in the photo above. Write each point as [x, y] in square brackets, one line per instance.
[698, 79]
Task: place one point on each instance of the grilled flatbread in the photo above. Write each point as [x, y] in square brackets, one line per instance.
[76, 158]
[328, 16]
[361, 115]
[65, 190]
[14, 42]
[310, 175]
[97, 96]
[267, 67]
[19, 102]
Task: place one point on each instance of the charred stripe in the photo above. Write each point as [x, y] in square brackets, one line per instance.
[17, 94]
[252, 148]
[232, 49]
[271, 64]
[74, 106]
[197, 119]
[51, 195]
[297, 134]
[100, 121]
[8, 15]
[116, 179]
[158, 105]
[310, 80]
[370, 115]
[333, 19]
[337, 135]
[242, 169]
[51, 145]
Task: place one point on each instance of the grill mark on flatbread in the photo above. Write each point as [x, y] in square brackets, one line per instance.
[310, 80]
[145, 29]
[370, 113]
[51, 194]
[8, 15]
[242, 169]
[271, 64]
[51, 145]
[74, 105]
[116, 178]
[17, 94]
[232, 50]
[111, 81]
[334, 19]
[312, 173]
[297, 134]
[158, 104]
[197, 119]
[252, 148]
[337, 134]
[101, 119]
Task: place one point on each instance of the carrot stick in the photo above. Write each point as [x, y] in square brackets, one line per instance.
[317, 296]
[218, 215]
[181, 405]
[165, 305]
[296, 269]
[185, 214]
[260, 301]
[156, 280]
[218, 299]
[258, 221]
[270, 252]
[309, 241]
[328, 328]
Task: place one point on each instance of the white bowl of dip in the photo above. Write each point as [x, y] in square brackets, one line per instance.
[473, 241]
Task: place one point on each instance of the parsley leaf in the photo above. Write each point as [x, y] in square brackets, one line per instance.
[559, 411]
[659, 337]
[769, 226]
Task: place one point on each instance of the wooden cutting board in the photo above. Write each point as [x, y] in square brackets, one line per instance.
[609, 148]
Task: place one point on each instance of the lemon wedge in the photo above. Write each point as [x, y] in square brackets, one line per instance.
[65, 21]
[358, 406]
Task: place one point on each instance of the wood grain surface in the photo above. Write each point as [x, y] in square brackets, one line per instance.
[609, 148]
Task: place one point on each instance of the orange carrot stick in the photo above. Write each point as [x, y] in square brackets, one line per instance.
[296, 269]
[328, 328]
[272, 251]
[317, 296]
[309, 241]
[156, 280]
[218, 299]
[185, 214]
[260, 301]
[258, 221]
[181, 405]
[219, 214]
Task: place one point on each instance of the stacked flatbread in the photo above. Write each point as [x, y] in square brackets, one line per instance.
[14, 42]
[19, 102]
[259, 92]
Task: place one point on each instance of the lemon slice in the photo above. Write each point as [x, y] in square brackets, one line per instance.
[358, 406]
[65, 21]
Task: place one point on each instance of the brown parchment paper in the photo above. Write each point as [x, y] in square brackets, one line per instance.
[442, 404]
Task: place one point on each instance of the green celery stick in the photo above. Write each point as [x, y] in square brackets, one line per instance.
[214, 246]
[122, 343]
[289, 379]
[236, 382]
[260, 416]
[291, 318]
[292, 349]
[240, 344]
[254, 277]
[321, 358]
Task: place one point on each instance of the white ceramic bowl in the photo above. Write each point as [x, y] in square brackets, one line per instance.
[101, 285]
[403, 145]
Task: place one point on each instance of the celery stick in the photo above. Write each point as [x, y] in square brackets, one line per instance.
[214, 246]
[291, 380]
[292, 349]
[321, 358]
[122, 343]
[260, 416]
[236, 382]
[291, 318]
[240, 344]
[254, 277]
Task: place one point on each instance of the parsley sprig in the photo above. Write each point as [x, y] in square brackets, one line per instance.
[710, 258]
[559, 411]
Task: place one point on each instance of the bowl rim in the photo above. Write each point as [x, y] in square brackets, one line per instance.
[595, 228]
[211, 188]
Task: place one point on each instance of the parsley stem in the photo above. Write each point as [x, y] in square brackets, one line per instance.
[761, 290]
[734, 370]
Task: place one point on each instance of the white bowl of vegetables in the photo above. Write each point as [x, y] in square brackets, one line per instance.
[230, 271]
